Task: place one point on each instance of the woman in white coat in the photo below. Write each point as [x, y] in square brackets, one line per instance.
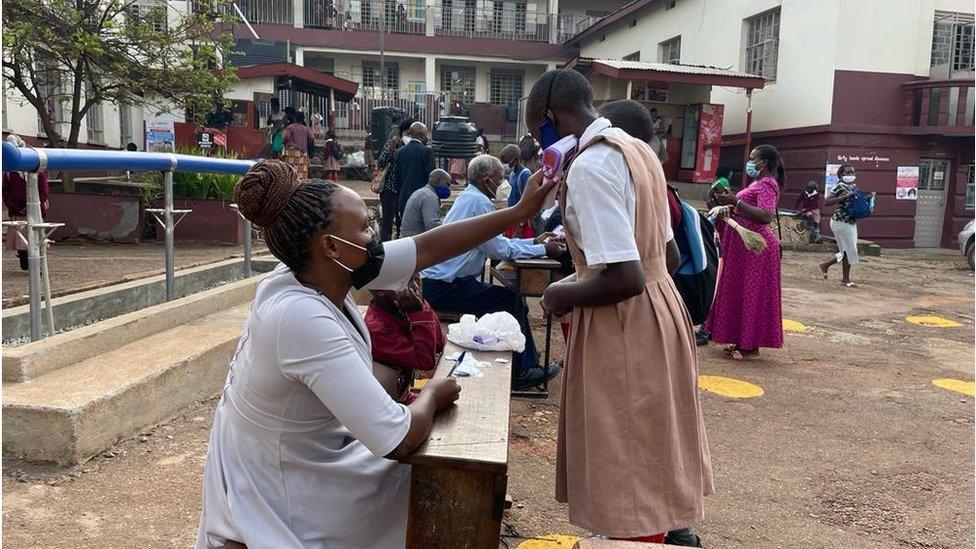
[305, 440]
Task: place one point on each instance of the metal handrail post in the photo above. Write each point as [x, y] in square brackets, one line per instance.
[168, 229]
[34, 255]
[247, 248]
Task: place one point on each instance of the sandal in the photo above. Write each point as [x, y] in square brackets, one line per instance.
[849, 284]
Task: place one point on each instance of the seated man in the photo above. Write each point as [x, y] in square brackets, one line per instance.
[423, 209]
[406, 336]
[454, 286]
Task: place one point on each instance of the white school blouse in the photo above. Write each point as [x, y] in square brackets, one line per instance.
[601, 203]
[296, 452]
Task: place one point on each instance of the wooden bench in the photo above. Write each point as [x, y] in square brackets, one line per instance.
[457, 487]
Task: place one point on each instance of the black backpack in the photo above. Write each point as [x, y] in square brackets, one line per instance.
[698, 290]
[335, 149]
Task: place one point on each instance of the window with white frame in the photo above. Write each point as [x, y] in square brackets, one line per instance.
[962, 48]
[970, 189]
[762, 44]
[458, 83]
[632, 56]
[371, 76]
[152, 12]
[95, 123]
[952, 41]
[51, 87]
[505, 87]
[125, 124]
[671, 51]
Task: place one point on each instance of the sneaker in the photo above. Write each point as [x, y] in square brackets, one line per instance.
[702, 337]
[534, 377]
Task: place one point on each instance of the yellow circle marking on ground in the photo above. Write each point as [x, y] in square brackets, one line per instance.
[729, 387]
[933, 321]
[957, 385]
[550, 541]
[793, 326]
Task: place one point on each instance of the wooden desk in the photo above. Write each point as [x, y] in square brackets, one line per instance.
[457, 487]
[531, 278]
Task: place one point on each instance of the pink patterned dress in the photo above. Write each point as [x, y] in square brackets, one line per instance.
[748, 310]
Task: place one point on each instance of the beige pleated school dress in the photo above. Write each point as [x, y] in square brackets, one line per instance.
[632, 457]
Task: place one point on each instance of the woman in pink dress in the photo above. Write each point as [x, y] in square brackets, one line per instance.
[747, 313]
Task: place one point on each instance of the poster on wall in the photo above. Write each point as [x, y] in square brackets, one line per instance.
[830, 178]
[906, 184]
[160, 136]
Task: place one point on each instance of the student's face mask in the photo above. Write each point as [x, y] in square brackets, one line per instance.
[848, 178]
[547, 130]
[370, 268]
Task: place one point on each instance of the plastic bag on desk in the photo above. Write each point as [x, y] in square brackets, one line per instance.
[492, 332]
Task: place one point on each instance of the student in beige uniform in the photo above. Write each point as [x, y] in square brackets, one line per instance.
[632, 458]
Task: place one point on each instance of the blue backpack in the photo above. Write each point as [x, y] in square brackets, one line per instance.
[858, 206]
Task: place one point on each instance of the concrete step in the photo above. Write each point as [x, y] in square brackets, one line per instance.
[72, 413]
[40, 357]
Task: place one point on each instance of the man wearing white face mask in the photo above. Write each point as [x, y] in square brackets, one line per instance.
[454, 285]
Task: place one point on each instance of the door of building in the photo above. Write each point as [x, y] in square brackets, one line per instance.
[933, 177]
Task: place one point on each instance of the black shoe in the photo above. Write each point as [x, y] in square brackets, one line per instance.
[702, 337]
[534, 377]
[22, 256]
[682, 538]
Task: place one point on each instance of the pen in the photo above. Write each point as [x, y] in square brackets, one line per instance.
[460, 358]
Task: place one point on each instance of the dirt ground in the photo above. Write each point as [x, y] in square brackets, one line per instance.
[850, 446]
[79, 266]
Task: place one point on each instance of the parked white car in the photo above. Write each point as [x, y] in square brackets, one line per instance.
[967, 243]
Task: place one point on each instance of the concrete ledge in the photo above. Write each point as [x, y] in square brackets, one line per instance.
[40, 357]
[828, 246]
[71, 414]
[110, 301]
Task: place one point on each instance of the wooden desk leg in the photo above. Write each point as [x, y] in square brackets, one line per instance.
[455, 508]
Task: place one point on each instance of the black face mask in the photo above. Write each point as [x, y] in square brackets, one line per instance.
[370, 269]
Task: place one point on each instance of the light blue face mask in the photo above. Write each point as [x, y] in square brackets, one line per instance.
[751, 169]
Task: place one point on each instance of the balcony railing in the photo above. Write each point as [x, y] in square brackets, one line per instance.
[257, 12]
[512, 21]
[365, 15]
[944, 107]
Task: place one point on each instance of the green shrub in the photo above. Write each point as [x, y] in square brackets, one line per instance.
[192, 185]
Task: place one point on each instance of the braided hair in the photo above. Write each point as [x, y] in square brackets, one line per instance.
[288, 211]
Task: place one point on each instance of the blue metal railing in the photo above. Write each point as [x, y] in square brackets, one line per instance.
[23, 159]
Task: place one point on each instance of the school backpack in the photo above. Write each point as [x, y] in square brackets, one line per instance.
[698, 268]
[858, 206]
[335, 149]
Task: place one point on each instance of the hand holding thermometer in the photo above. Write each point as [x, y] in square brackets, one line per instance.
[554, 161]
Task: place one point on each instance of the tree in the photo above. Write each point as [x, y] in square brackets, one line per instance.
[66, 56]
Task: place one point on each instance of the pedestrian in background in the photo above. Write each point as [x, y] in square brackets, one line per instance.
[843, 225]
[388, 179]
[747, 312]
[808, 209]
[332, 151]
[295, 144]
[414, 162]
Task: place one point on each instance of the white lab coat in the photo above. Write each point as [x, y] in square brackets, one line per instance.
[296, 452]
